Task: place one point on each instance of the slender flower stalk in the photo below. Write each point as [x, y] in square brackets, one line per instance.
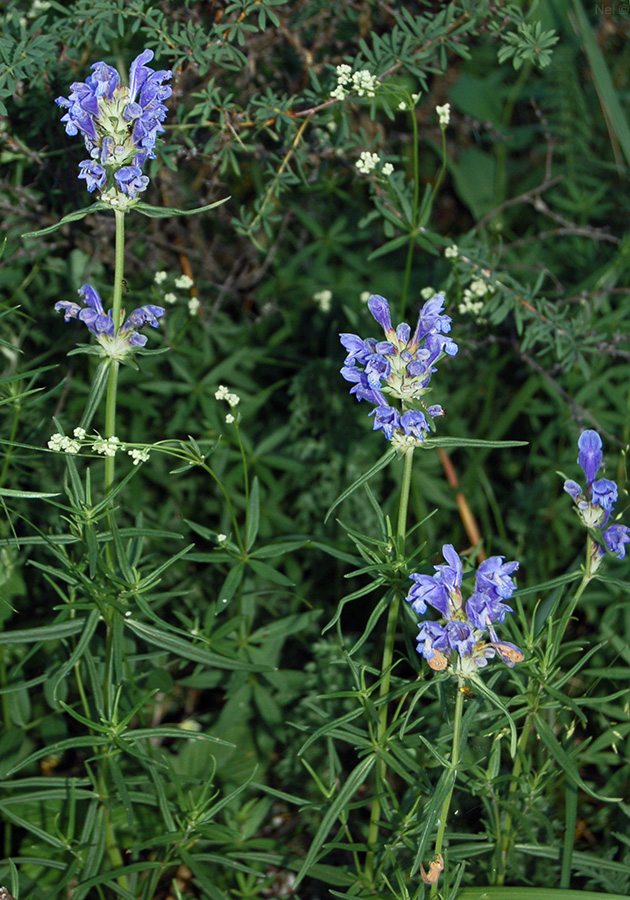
[386, 668]
[464, 640]
[119, 126]
[453, 767]
[112, 384]
[595, 506]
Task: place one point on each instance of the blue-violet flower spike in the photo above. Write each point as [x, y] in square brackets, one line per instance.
[468, 628]
[399, 368]
[119, 126]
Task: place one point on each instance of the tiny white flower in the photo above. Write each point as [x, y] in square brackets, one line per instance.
[55, 441]
[387, 169]
[108, 446]
[224, 394]
[72, 447]
[193, 306]
[343, 73]
[452, 252]
[221, 538]
[80, 433]
[402, 105]
[323, 299]
[184, 281]
[170, 298]
[444, 114]
[427, 292]
[367, 162]
[138, 455]
[339, 93]
[160, 277]
[229, 418]
[469, 305]
[365, 83]
[478, 287]
[364, 296]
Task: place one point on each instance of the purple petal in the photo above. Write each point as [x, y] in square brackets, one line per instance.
[379, 307]
[590, 455]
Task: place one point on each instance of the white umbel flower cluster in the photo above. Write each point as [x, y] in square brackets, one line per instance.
[323, 299]
[138, 455]
[362, 83]
[367, 162]
[223, 393]
[60, 442]
[108, 446]
[475, 295]
[444, 114]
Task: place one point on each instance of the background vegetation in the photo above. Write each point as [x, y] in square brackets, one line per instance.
[226, 640]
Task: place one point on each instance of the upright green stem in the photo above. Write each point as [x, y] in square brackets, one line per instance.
[386, 668]
[111, 842]
[454, 763]
[112, 384]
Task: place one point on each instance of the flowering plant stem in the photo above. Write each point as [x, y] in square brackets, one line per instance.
[386, 668]
[455, 755]
[529, 719]
[112, 384]
[110, 431]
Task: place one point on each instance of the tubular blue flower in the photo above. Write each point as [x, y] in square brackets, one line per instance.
[615, 538]
[95, 175]
[442, 591]
[604, 493]
[379, 307]
[116, 343]
[400, 367]
[493, 577]
[590, 455]
[414, 423]
[595, 504]
[387, 419]
[461, 637]
[468, 628]
[119, 126]
[483, 610]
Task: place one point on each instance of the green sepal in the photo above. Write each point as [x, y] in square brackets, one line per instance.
[165, 212]
[71, 217]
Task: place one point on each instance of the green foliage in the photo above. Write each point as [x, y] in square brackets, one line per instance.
[192, 684]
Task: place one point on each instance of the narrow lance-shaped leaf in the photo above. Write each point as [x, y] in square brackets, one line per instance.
[71, 217]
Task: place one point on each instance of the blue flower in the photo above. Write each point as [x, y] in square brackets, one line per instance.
[590, 455]
[400, 367]
[115, 343]
[615, 538]
[464, 626]
[595, 503]
[442, 591]
[119, 126]
[493, 577]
